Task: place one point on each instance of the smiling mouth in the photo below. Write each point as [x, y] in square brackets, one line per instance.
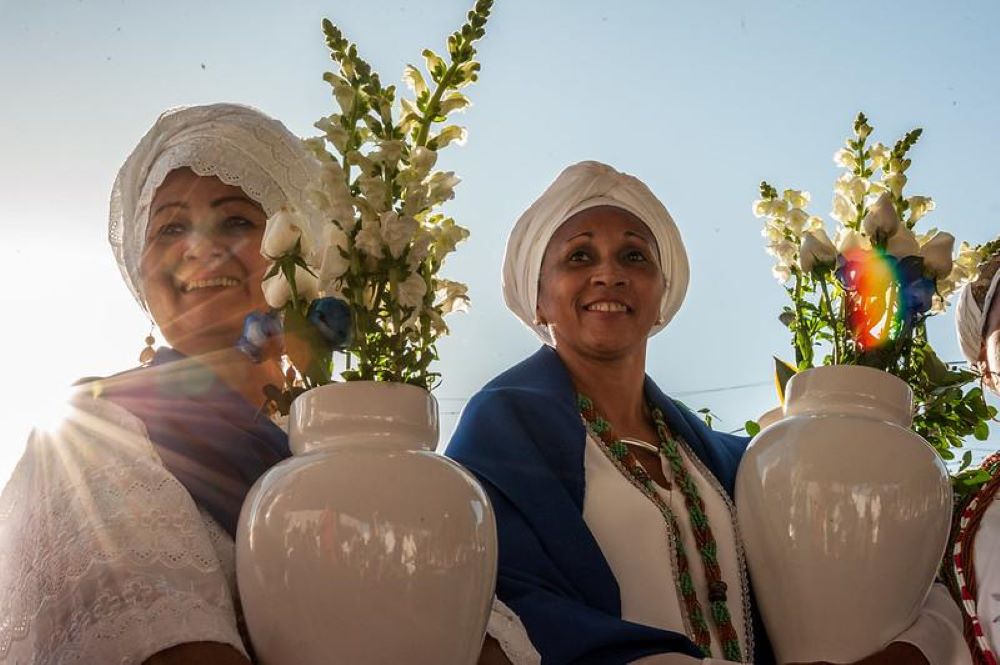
[607, 306]
[213, 283]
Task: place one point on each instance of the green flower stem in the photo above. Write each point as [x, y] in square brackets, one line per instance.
[431, 111]
[831, 319]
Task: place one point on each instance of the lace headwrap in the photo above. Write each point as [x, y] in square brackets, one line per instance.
[237, 144]
[973, 307]
[579, 187]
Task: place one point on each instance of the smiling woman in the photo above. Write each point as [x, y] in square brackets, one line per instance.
[116, 527]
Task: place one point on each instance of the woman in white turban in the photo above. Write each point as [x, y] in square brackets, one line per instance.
[617, 532]
[116, 529]
[974, 561]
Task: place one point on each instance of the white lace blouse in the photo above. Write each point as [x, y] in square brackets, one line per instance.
[104, 557]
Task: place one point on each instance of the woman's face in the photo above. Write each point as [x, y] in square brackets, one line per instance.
[989, 355]
[600, 286]
[201, 267]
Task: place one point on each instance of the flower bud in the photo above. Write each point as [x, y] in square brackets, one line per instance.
[881, 221]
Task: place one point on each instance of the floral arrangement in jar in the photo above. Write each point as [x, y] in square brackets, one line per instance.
[863, 296]
[360, 272]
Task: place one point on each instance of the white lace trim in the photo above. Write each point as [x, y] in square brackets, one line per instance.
[506, 628]
[104, 557]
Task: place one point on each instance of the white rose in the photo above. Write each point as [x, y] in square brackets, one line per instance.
[283, 230]
[411, 291]
[843, 210]
[919, 206]
[903, 243]
[277, 291]
[848, 240]
[397, 232]
[369, 239]
[937, 255]
[817, 250]
[881, 221]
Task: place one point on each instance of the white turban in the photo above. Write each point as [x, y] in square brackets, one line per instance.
[970, 319]
[237, 144]
[579, 187]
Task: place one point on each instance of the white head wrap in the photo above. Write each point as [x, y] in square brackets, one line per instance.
[970, 319]
[579, 187]
[237, 144]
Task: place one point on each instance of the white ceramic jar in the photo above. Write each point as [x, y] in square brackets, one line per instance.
[845, 514]
[366, 546]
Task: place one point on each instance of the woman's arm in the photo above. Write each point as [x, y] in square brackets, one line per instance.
[201, 653]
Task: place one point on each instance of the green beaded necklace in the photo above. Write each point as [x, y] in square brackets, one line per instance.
[704, 540]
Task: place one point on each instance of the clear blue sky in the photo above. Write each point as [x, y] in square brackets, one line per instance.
[702, 100]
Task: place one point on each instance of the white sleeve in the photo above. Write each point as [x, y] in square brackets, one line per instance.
[937, 632]
[104, 557]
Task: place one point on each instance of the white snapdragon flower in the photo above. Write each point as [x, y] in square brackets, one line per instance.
[919, 206]
[851, 187]
[415, 80]
[446, 236]
[397, 232]
[895, 182]
[875, 190]
[774, 208]
[422, 160]
[416, 199]
[881, 221]
[369, 238]
[879, 155]
[389, 152]
[796, 221]
[336, 259]
[277, 291]
[903, 243]
[285, 229]
[773, 231]
[454, 102]
[342, 91]
[363, 162]
[843, 211]
[817, 251]
[409, 116]
[782, 272]
[451, 134]
[441, 187]
[411, 291]
[796, 198]
[937, 254]
[784, 250]
[375, 191]
[451, 296]
[845, 158]
[420, 248]
[334, 131]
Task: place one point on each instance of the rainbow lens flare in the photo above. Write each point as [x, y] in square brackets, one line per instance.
[884, 295]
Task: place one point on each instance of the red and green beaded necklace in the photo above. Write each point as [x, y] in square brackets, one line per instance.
[704, 540]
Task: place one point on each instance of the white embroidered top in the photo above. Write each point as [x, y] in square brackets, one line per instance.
[986, 559]
[104, 557]
[633, 537]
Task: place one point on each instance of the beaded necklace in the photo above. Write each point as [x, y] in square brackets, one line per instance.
[962, 571]
[704, 540]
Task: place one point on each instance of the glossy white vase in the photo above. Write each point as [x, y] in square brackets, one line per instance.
[366, 546]
[845, 513]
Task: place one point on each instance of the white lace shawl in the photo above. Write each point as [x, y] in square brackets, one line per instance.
[104, 557]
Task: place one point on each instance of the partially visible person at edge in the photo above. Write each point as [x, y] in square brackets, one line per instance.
[116, 530]
[973, 561]
[617, 532]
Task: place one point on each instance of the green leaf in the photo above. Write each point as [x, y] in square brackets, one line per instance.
[752, 427]
[982, 431]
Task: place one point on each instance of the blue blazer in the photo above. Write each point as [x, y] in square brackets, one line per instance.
[522, 436]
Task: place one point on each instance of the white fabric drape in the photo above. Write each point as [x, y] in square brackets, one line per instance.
[986, 558]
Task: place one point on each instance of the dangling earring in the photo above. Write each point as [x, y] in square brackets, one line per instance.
[148, 353]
